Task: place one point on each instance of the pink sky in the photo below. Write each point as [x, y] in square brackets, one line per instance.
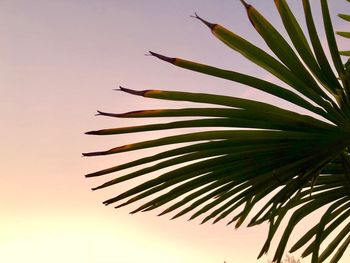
[59, 62]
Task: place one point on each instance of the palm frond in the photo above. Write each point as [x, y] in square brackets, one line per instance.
[247, 152]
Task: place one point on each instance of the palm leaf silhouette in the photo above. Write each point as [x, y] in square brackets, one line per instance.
[290, 163]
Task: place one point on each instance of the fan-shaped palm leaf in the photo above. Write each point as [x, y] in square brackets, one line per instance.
[287, 161]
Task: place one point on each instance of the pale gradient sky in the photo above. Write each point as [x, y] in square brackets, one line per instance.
[59, 61]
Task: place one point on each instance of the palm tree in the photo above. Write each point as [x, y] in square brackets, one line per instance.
[292, 164]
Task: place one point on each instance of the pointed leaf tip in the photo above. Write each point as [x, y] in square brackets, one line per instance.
[246, 5]
[121, 205]
[175, 216]
[208, 24]
[87, 154]
[101, 113]
[165, 58]
[90, 133]
[131, 91]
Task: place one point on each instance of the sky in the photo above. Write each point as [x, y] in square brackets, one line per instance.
[59, 63]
